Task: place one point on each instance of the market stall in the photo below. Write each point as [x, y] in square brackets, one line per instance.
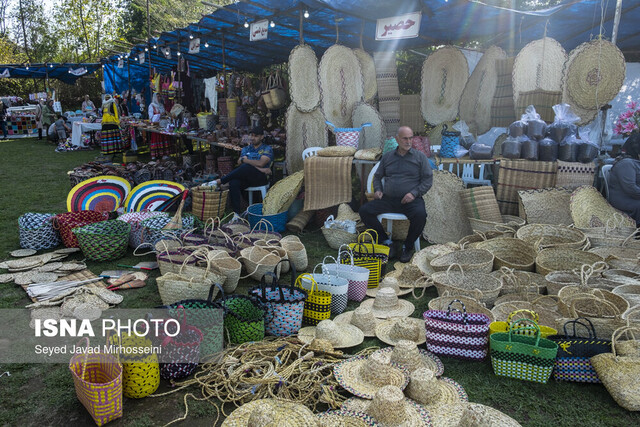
[21, 120]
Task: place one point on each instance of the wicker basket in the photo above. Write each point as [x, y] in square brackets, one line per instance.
[259, 261]
[547, 236]
[278, 221]
[559, 279]
[542, 302]
[516, 281]
[629, 292]
[598, 303]
[509, 223]
[472, 240]
[479, 260]
[67, 221]
[103, 241]
[337, 237]
[37, 231]
[619, 252]
[471, 304]
[545, 317]
[612, 236]
[174, 287]
[228, 266]
[510, 253]
[296, 251]
[557, 259]
[481, 286]
[207, 202]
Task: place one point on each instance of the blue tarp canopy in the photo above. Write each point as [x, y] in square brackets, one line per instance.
[67, 72]
[458, 22]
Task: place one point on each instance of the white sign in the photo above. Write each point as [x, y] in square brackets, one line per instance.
[166, 51]
[259, 30]
[120, 63]
[399, 27]
[194, 46]
[141, 57]
[57, 107]
[78, 71]
[5, 74]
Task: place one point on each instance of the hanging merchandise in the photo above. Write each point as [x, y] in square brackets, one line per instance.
[340, 83]
[303, 74]
[444, 75]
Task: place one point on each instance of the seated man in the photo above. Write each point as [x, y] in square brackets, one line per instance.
[408, 177]
[255, 163]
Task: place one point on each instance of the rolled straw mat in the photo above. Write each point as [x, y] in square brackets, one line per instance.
[481, 203]
[340, 84]
[304, 130]
[299, 222]
[444, 75]
[502, 106]
[515, 175]
[410, 114]
[371, 136]
[595, 74]
[280, 197]
[586, 114]
[574, 174]
[446, 220]
[545, 206]
[388, 89]
[539, 65]
[589, 207]
[303, 78]
[477, 96]
[368, 68]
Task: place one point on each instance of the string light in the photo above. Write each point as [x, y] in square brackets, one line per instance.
[306, 14]
[50, 65]
[178, 53]
[206, 44]
[272, 24]
[246, 24]
[155, 47]
[146, 49]
[27, 66]
[190, 36]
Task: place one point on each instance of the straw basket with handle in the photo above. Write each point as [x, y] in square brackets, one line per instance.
[358, 277]
[296, 252]
[140, 372]
[207, 202]
[37, 231]
[259, 261]
[481, 286]
[180, 347]
[502, 326]
[317, 306]
[349, 137]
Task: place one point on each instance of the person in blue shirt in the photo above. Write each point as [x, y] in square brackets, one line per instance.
[254, 164]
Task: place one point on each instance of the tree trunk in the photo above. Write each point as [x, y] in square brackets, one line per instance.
[84, 30]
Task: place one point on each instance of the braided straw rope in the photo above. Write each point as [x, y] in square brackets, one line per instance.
[444, 76]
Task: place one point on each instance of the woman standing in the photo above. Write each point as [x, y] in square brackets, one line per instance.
[159, 144]
[48, 116]
[110, 137]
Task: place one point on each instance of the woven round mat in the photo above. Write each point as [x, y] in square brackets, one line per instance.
[444, 75]
[19, 253]
[586, 115]
[303, 78]
[368, 74]
[595, 74]
[371, 136]
[446, 220]
[6, 278]
[341, 84]
[52, 266]
[304, 130]
[539, 65]
[477, 96]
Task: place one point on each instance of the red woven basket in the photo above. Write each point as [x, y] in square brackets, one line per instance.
[65, 222]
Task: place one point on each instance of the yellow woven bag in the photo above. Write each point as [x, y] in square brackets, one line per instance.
[317, 306]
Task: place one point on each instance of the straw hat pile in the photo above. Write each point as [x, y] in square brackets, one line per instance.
[362, 318]
[391, 331]
[388, 282]
[263, 412]
[407, 354]
[365, 376]
[390, 407]
[386, 304]
[340, 335]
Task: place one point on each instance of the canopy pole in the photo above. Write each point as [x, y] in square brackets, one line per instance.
[605, 108]
[129, 84]
[361, 32]
[616, 21]
[224, 65]
[150, 68]
[179, 91]
[301, 26]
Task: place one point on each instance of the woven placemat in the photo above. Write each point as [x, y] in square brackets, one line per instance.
[545, 206]
[368, 68]
[574, 174]
[80, 275]
[303, 78]
[480, 203]
[586, 115]
[446, 220]
[444, 75]
[502, 106]
[304, 130]
[514, 175]
[410, 114]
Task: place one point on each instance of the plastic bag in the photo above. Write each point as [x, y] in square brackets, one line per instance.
[390, 144]
[466, 138]
[479, 151]
[564, 123]
[461, 152]
[588, 150]
[511, 148]
[548, 150]
[530, 149]
[517, 128]
[568, 149]
[536, 127]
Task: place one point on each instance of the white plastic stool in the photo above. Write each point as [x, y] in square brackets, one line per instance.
[390, 217]
[262, 189]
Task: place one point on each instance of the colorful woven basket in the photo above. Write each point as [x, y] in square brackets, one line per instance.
[317, 307]
[140, 371]
[207, 202]
[104, 240]
[65, 222]
[37, 231]
[278, 221]
[244, 319]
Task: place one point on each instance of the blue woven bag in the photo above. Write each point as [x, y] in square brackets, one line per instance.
[450, 143]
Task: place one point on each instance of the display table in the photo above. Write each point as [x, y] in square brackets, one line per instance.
[79, 128]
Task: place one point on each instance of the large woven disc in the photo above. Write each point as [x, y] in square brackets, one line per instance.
[595, 74]
[368, 74]
[444, 74]
[586, 114]
[303, 78]
[371, 136]
[341, 84]
[477, 96]
[539, 65]
[101, 193]
[151, 194]
[304, 130]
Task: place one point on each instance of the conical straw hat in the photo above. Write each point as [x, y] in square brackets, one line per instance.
[368, 74]
[277, 412]
[440, 396]
[444, 75]
[303, 78]
[304, 130]
[390, 407]
[362, 318]
[364, 376]
[407, 354]
[340, 335]
[387, 304]
[479, 415]
[391, 331]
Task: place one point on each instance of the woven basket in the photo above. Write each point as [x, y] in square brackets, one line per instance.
[481, 286]
[337, 237]
[480, 203]
[509, 223]
[545, 206]
[612, 236]
[592, 303]
[299, 222]
[479, 260]
[543, 302]
[103, 241]
[174, 287]
[556, 259]
[229, 267]
[547, 318]
[37, 231]
[589, 206]
[296, 252]
[548, 236]
[259, 261]
[65, 222]
[153, 228]
[135, 219]
[472, 240]
[618, 252]
[559, 279]
[516, 281]
[278, 221]
[510, 253]
[207, 202]
[629, 292]
[471, 304]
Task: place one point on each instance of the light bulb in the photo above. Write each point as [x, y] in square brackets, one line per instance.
[155, 47]
[190, 36]
[272, 24]
[135, 58]
[146, 49]
[206, 44]
[246, 24]
[306, 14]
[50, 65]
[27, 67]
[178, 53]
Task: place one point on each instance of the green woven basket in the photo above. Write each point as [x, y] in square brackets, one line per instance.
[104, 240]
[244, 319]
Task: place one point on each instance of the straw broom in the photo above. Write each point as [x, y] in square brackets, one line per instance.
[176, 221]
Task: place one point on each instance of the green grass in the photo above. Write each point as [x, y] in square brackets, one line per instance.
[33, 179]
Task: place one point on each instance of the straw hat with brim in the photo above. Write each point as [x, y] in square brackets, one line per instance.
[364, 376]
[362, 318]
[386, 304]
[344, 418]
[596, 74]
[368, 68]
[477, 96]
[444, 75]
[422, 259]
[479, 415]
[277, 412]
[340, 335]
[388, 282]
[304, 130]
[303, 78]
[341, 84]
[447, 221]
[390, 408]
[372, 136]
[409, 356]
[401, 328]
[586, 114]
[440, 396]
[539, 65]
[408, 275]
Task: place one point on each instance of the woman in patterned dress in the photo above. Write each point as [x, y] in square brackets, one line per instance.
[110, 137]
[159, 145]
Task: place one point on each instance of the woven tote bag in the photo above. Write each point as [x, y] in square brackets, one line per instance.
[97, 378]
[244, 319]
[140, 370]
[358, 277]
[317, 307]
[502, 326]
[524, 357]
[207, 202]
[335, 285]
[456, 333]
[573, 362]
[180, 353]
[37, 232]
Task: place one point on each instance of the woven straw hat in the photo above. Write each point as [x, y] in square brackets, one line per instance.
[408, 275]
[268, 412]
[477, 96]
[390, 408]
[444, 76]
[422, 259]
[407, 354]
[304, 130]
[340, 335]
[364, 376]
[341, 84]
[386, 304]
[595, 74]
[372, 136]
[446, 221]
[388, 282]
[391, 331]
[362, 318]
[344, 418]
[438, 395]
[586, 114]
[368, 74]
[303, 78]
[539, 65]
[19, 253]
[479, 415]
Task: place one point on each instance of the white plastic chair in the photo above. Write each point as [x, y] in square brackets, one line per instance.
[468, 176]
[606, 170]
[311, 151]
[390, 217]
[262, 189]
[441, 167]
